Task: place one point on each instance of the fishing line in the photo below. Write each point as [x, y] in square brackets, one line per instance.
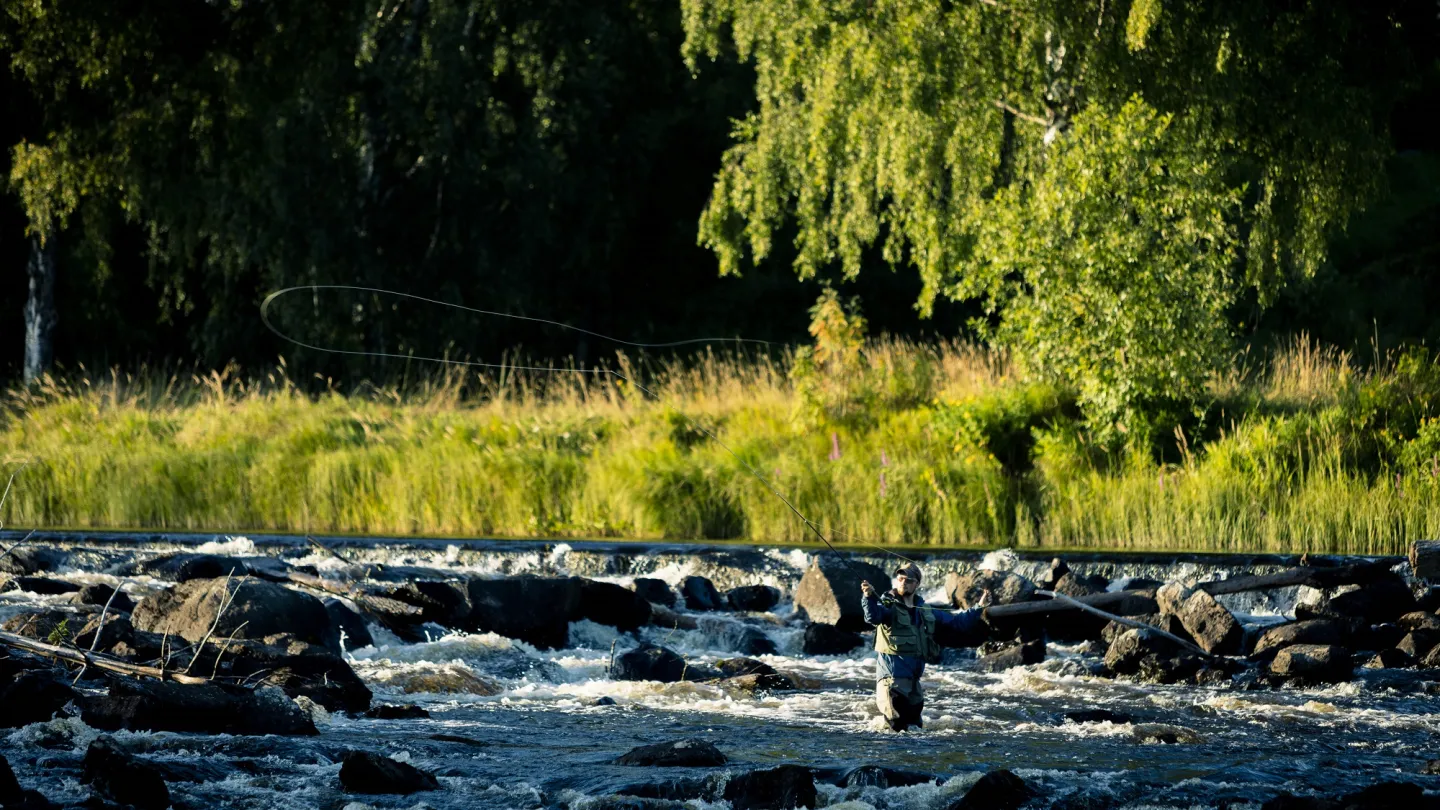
[313, 288]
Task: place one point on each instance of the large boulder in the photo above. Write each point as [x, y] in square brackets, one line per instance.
[1419, 620]
[996, 790]
[1418, 643]
[299, 668]
[1076, 585]
[678, 754]
[364, 772]
[827, 639]
[984, 588]
[699, 594]
[1312, 663]
[252, 609]
[829, 592]
[782, 788]
[31, 696]
[100, 594]
[739, 638]
[753, 598]
[536, 610]
[354, 632]
[613, 605]
[1382, 601]
[183, 566]
[1308, 631]
[1212, 627]
[656, 591]
[136, 705]
[122, 778]
[1150, 657]
[44, 586]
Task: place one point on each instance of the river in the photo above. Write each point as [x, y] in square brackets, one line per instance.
[548, 740]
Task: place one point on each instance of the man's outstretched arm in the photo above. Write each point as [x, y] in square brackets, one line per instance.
[875, 613]
[961, 628]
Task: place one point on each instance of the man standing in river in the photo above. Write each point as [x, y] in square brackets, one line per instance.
[905, 641]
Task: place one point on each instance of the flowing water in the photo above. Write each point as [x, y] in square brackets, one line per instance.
[546, 741]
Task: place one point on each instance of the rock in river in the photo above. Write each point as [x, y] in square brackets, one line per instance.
[255, 609]
[120, 777]
[829, 592]
[779, 788]
[678, 754]
[364, 772]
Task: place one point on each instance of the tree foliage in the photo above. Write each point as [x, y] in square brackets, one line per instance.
[1105, 176]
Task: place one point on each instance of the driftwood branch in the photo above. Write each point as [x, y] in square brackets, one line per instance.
[89, 659]
[100, 626]
[1023, 116]
[1142, 626]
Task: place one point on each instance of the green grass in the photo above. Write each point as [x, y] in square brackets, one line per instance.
[1301, 452]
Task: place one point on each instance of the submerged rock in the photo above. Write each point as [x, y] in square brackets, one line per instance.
[753, 598]
[760, 682]
[996, 790]
[1097, 716]
[122, 778]
[1325, 663]
[1017, 655]
[649, 663]
[882, 777]
[699, 594]
[254, 609]
[390, 711]
[741, 638]
[782, 788]
[30, 560]
[735, 667]
[679, 754]
[364, 772]
[45, 586]
[183, 566]
[99, 594]
[829, 592]
[827, 639]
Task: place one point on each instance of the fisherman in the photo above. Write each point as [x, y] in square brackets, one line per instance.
[906, 640]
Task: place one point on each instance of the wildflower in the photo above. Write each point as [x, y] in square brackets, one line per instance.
[882, 483]
[884, 459]
[834, 446]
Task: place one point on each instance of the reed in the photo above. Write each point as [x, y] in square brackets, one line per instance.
[937, 444]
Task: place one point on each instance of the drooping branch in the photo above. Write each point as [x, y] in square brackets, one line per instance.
[1034, 119]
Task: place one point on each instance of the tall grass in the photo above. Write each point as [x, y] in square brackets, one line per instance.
[938, 444]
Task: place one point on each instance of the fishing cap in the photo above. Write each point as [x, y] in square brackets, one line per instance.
[910, 570]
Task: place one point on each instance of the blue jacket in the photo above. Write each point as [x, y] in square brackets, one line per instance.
[962, 628]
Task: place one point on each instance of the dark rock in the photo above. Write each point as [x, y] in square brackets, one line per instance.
[10, 792]
[1419, 620]
[1431, 659]
[29, 560]
[649, 663]
[996, 790]
[1431, 768]
[1132, 646]
[99, 594]
[1309, 631]
[296, 666]
[1052, 576]
[1212, 627]
[390, 711]
[1382, 601]
[985, 588]
[1428, 599]
[32, 697]
[678, 754]
[364, 772]
[1140, 584]
[441, 600]
[1163, 621]
[1323, 663]
[760, 682]
[183, 566]
[884, 778]
[674, 790]
[1389, 659]
[1379, 637]
[1076, 586]
[116, 630]
[1418, 643]
[536, 610]
[355, 633]
[781, 788]
[61, 625]
[604, 700]
[45, 586]
[827, 639]
[1097, 716]
[1287, 801]
[1385, 796]
[122, 778]
[609, 604]
[829, 592]
[1177, 668]
[699, 594]
[735, 667]
[137, 705]
[656, 591]
[1030, 652]
[255, 610]
[753, 598]
[195, 771]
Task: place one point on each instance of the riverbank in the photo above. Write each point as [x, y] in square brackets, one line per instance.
[925, 445]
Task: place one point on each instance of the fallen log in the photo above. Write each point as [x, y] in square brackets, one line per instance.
[89, 659]
[1142, 626]
[1356, 574]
